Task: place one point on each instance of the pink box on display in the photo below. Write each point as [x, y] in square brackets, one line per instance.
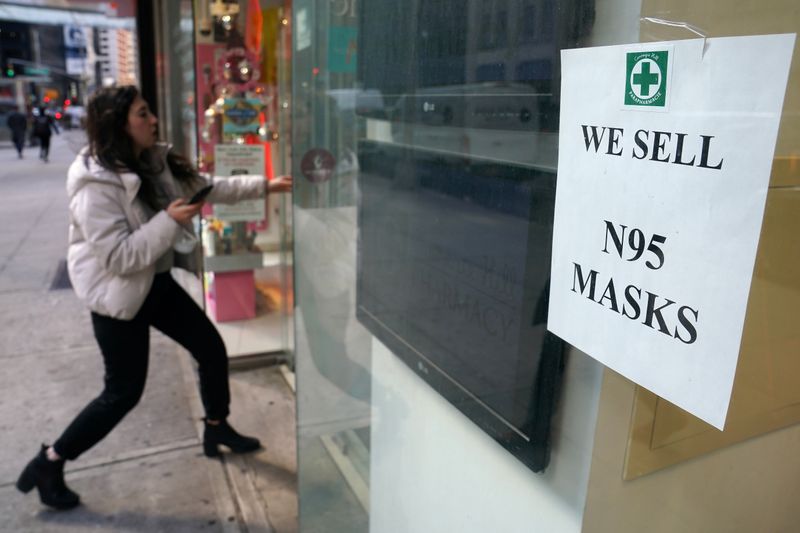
[232, 296]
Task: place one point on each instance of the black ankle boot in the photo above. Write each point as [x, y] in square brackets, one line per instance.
[48, 477]
[223, 433]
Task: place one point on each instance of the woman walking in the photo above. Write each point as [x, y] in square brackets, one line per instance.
[129, 224]
[18, 123]
[43, 127]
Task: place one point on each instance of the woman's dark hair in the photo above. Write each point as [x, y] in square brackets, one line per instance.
[112, 147]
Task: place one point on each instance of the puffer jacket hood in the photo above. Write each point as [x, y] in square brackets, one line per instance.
[86, 169]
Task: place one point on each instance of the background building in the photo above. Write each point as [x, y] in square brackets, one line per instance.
[116, 60]
[54, 63]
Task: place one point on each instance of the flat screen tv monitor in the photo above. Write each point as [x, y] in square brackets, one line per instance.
[456, 196]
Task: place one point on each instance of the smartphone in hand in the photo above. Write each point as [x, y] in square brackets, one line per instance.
[200, 195]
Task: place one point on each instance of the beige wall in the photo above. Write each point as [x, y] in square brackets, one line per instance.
[752, 486]
[746, 486]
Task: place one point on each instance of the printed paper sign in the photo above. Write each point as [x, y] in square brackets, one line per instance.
[233, 160]
[665, 152]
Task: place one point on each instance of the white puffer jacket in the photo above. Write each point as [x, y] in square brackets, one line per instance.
[114, 244]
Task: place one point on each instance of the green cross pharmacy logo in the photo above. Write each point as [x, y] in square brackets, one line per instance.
[646, 78]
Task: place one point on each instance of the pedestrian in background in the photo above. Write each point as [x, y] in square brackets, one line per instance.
[130, 223]
[18, 123]
[43, 126]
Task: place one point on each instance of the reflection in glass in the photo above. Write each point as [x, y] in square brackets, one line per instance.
[433, 230]
[455, 211]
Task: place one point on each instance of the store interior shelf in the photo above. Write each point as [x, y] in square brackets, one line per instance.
[239, 262]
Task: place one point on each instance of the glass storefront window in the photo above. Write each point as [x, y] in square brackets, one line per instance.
[428, 245]
[240, 106]
[175, 76]
[430, 394]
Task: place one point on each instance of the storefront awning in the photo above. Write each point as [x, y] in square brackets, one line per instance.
[44, 15]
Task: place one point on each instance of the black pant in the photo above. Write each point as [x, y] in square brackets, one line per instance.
[19, 141]
[44, 142]
[125, 346]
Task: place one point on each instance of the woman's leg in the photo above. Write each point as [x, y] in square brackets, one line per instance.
[124, 344]
[180, 318]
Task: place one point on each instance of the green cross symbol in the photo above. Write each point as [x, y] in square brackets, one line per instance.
[645, 78]
[648, 86]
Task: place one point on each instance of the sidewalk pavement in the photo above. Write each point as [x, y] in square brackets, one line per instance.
[149, 474]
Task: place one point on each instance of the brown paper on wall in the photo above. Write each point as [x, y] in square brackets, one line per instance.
[766, 392]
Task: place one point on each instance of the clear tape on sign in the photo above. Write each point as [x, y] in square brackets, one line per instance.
[680, 24]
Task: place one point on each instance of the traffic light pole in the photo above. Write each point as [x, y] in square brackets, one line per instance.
[19, 90]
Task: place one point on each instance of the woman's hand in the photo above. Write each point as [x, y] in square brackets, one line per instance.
[182, 212]
[279, 184]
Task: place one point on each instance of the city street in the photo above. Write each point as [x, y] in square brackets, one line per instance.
[150, 473]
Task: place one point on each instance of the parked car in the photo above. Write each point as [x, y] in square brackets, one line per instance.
[74, 117]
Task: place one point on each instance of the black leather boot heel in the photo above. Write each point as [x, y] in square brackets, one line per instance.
[224, 434]
[48, 477]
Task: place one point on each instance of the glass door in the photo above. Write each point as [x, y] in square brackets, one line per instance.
[247, 273]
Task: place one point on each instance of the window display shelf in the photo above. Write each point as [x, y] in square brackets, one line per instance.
[239, 262]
